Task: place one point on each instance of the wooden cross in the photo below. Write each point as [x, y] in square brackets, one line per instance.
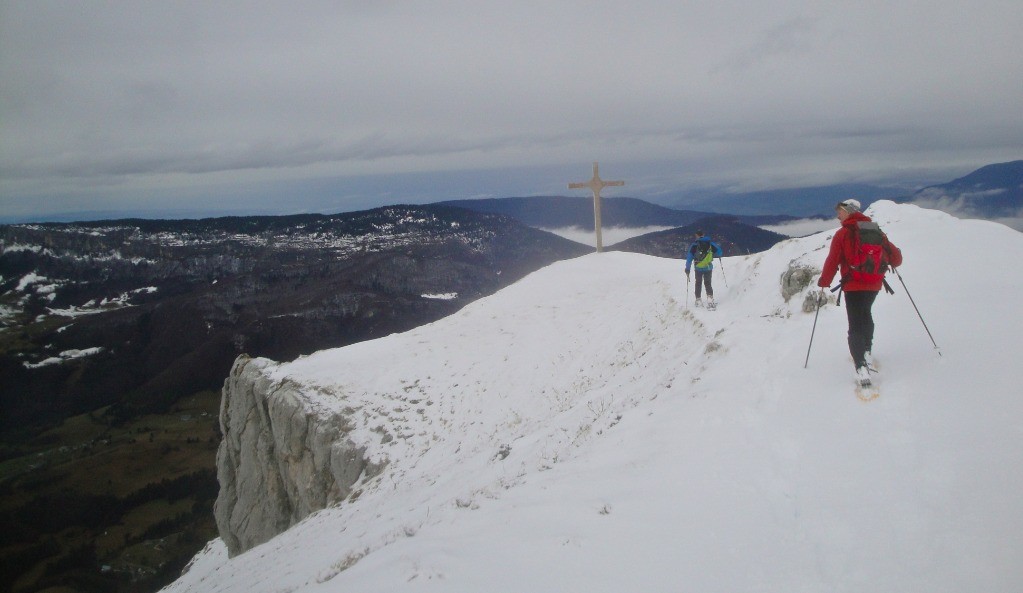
[596, 184]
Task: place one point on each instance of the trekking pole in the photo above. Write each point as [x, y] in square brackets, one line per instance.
[814, 330]
[687, 291]
[723, 277]
[903, 282]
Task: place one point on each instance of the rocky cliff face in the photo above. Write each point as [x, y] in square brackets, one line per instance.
[279, 460]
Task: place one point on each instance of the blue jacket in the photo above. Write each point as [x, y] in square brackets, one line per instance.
[692, 253]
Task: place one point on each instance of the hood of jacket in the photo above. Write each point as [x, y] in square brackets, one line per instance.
[855, 217]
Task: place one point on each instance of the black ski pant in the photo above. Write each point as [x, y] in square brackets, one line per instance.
[701, 278]
[861, 323]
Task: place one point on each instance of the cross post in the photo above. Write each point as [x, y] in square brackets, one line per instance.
[596, 184]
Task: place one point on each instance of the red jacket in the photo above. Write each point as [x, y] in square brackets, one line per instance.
[842, 245]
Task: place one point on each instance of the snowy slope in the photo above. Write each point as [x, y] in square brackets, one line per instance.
[582, 430]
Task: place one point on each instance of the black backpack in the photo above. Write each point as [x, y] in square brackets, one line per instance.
[699, 251]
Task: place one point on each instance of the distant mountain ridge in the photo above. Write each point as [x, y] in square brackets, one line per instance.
[736, 234]
[735, 238]
[796, 202]
[992, 191]
[571, 211]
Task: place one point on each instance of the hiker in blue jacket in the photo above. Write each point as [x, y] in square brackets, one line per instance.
[702, 252]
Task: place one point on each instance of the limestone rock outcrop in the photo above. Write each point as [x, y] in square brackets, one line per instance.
[280, 459]
[795, 279]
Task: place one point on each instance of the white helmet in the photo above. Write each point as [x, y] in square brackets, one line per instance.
[849, 205]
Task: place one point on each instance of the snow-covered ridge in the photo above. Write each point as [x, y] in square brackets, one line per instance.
[585, 429]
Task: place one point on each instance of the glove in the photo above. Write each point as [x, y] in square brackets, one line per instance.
[687, 274]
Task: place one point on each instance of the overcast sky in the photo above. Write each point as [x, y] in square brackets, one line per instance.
[289, 106]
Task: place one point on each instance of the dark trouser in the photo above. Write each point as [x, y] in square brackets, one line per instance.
[861, 323]
[704, 277]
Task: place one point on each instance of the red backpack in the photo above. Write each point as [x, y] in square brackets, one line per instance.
[870, 253]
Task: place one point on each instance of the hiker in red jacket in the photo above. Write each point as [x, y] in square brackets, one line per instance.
[860, 289]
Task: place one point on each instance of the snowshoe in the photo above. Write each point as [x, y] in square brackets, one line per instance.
[863, 376]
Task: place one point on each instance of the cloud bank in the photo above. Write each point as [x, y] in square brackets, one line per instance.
[152, 100]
